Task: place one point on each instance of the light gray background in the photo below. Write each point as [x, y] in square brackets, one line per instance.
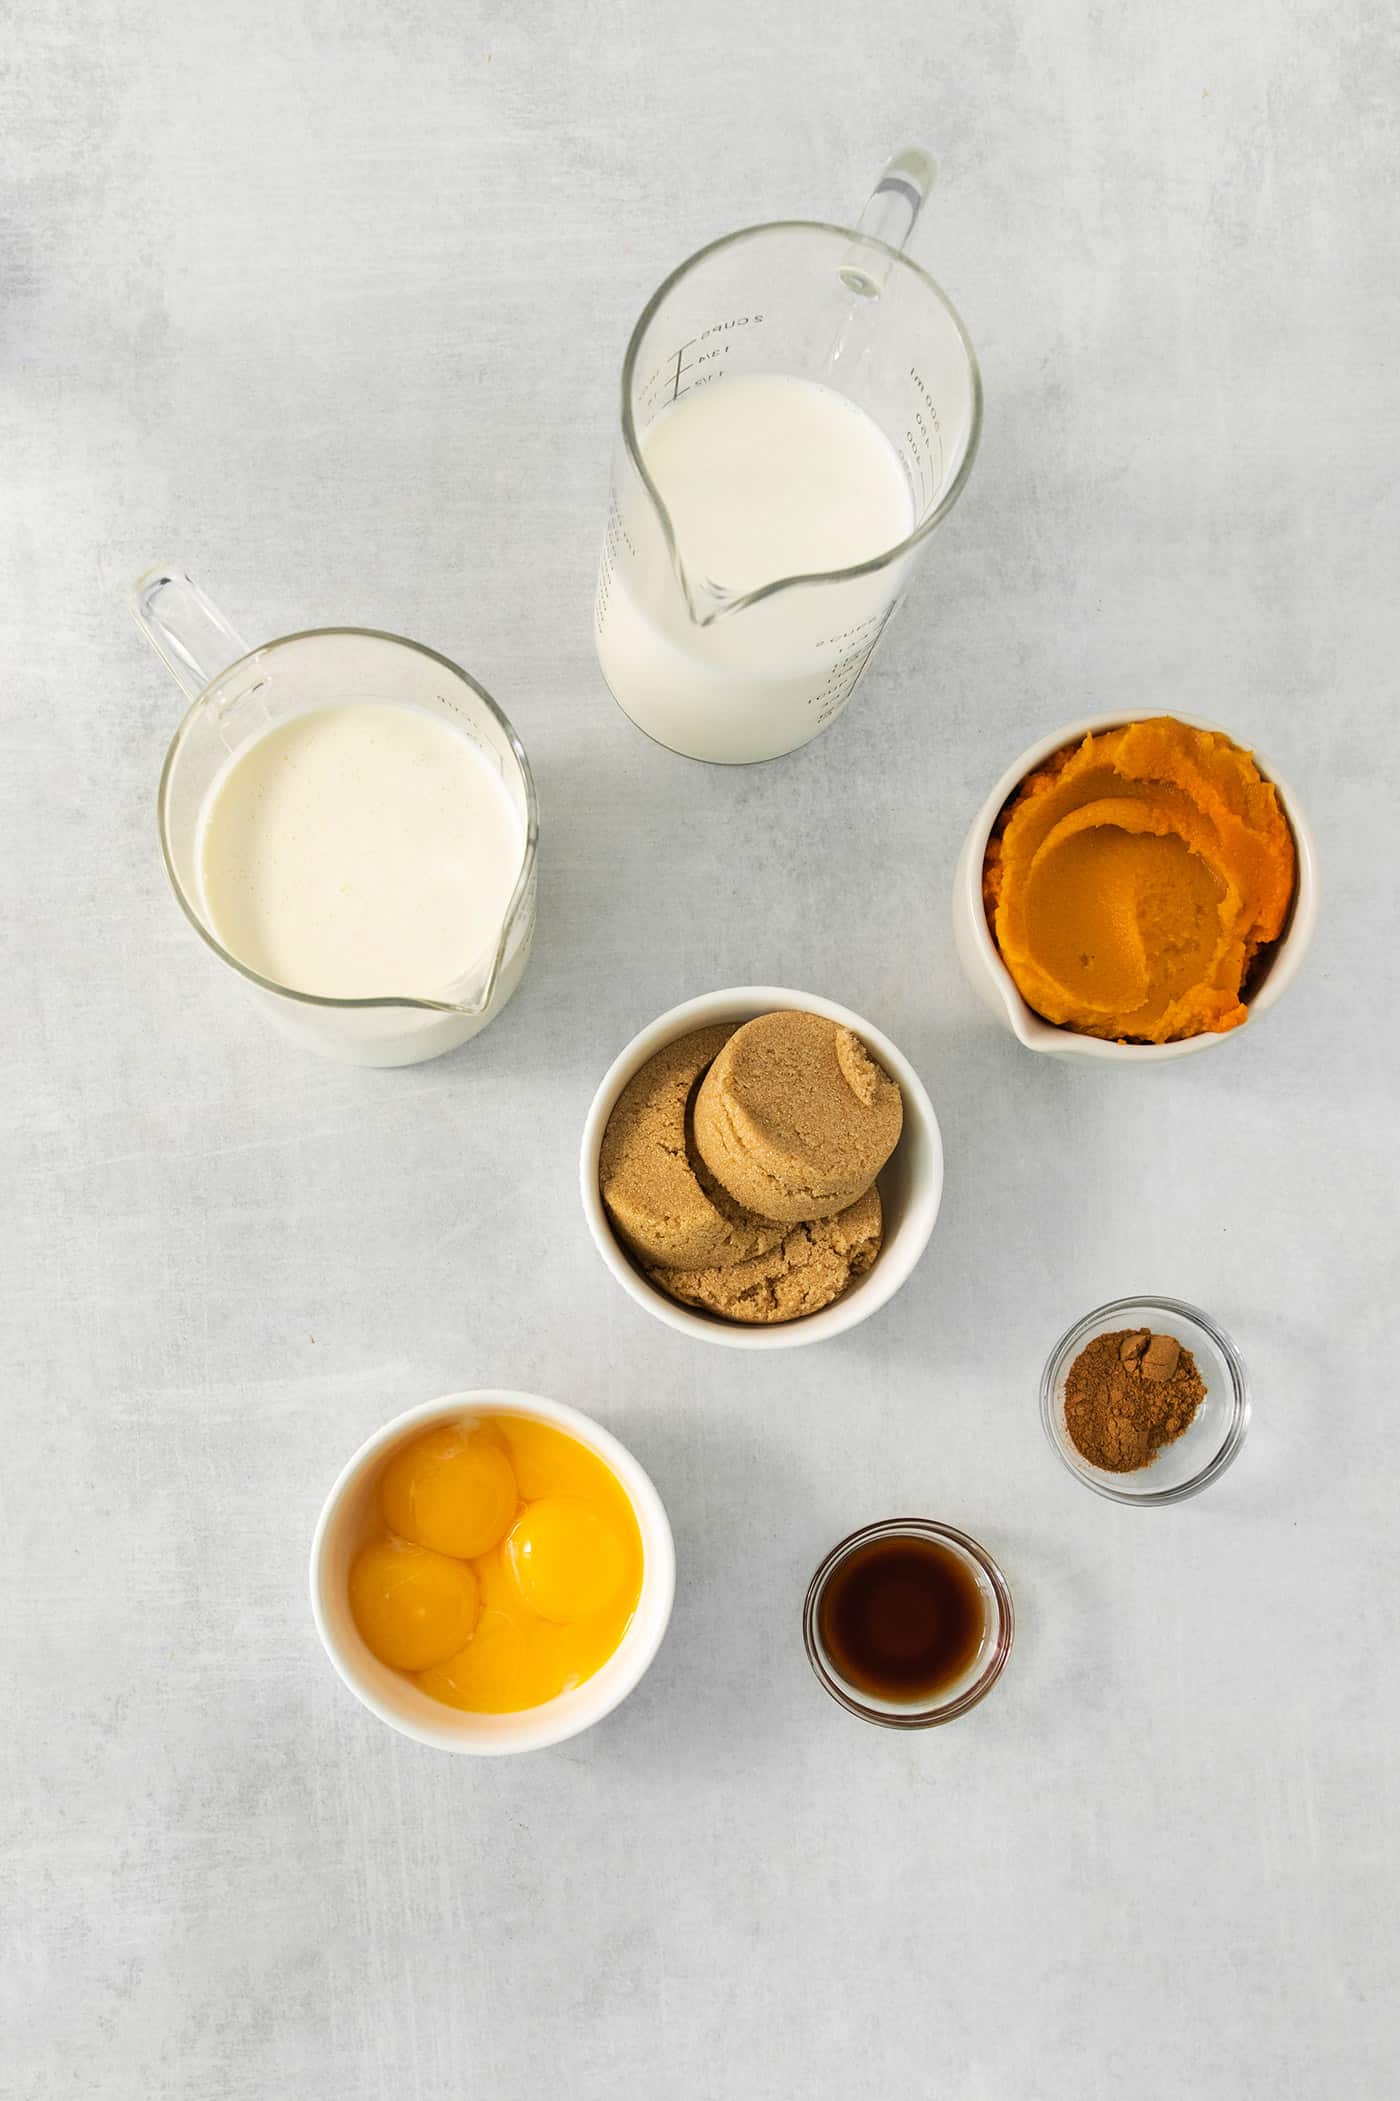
[328, 300]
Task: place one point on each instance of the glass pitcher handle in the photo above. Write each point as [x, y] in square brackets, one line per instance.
[899, 196]
[185, 629]
[891, 212]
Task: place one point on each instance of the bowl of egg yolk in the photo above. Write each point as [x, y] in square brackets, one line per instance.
[492, 1572]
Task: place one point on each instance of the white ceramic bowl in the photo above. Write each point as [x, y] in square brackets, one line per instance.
[992, 981]
[351, 1518]
[911, 1184]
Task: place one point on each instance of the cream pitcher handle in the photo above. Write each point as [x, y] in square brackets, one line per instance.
[185, 629]
[891, 212]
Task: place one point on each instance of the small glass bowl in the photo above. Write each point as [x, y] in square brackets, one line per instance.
[1202, 1453]
[981, 1674]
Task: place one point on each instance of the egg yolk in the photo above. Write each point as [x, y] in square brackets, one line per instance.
[413, 1608]
[452, 1490]
[516, 1568]
[566, 1557]
[514, 1659]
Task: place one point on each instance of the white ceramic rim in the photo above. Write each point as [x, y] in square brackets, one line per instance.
[1040, 1035]
[534, 1728]
[897, 1259]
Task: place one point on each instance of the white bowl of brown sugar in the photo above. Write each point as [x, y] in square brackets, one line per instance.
[691, 1245]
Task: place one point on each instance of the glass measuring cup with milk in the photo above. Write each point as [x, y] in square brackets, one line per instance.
[349, 822]
[800, 408]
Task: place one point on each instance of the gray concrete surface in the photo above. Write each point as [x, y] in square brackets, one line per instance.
[329, 302]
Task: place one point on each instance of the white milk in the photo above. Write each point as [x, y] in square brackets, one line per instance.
[764, 477]
[359, 850]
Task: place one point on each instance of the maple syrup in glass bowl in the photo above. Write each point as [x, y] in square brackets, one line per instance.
[908, 1623]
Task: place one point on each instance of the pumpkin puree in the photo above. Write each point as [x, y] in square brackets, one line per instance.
[1132, 880]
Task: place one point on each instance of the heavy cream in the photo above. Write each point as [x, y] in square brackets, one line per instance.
[360, 850]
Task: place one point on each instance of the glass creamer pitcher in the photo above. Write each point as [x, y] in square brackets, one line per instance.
[241, 695]
[730, 673]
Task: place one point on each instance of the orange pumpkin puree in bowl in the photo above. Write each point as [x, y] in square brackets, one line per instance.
[1132, 881]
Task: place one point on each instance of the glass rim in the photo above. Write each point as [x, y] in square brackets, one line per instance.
[848, 234]
[389, 1000]
[932, 1713]
[1097, 1323]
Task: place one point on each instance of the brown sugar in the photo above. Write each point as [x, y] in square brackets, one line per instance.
[1128, 1394]
[663, 1204]
[789, 1107]
[809, 1268]
[795, 1118]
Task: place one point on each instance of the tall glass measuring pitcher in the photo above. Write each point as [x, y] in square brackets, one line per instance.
[353, 801]
[830, 345]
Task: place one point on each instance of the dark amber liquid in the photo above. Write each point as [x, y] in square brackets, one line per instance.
[902, 1618]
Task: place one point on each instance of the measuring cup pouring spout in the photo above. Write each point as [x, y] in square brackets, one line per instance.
[877, 239]
[738, 667]
[237, 695]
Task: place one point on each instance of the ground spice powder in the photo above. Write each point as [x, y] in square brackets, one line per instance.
[1127, 1395]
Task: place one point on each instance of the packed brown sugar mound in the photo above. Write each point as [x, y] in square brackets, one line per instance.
[662, 1204]
[795, 1117]
[810, 1266]
[739, 1166]
[1134, 879]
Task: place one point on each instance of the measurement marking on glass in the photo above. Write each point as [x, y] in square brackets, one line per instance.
[676, 378]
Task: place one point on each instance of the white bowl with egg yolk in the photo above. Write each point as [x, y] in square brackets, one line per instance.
[910, 1183]
[351, 1518]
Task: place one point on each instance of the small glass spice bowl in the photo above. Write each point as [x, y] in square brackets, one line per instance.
[981, 1674]
[1202, 1453]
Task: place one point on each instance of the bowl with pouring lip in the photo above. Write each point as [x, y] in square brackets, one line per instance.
[350, 1518]
[1213, 1438]
[910, 1183]
[993, 983]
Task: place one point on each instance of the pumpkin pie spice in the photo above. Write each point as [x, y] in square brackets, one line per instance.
[1128, 1394]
